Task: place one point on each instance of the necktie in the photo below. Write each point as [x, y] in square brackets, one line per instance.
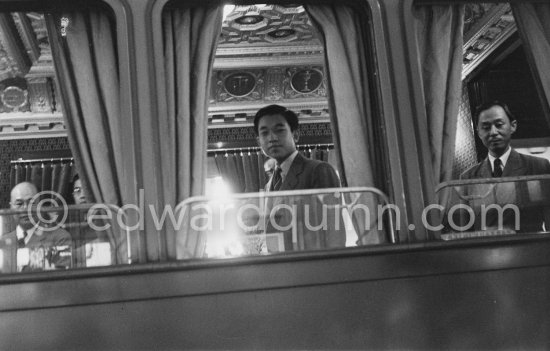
[497, 168]
[21, 242]
[277, 179]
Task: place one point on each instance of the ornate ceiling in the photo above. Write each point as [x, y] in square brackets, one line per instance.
[28, 102]
[266, 54]
[487, 26]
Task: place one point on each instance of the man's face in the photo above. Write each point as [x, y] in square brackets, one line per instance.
[495, 130]
[78, 193]
[20, 198]
[275, 137]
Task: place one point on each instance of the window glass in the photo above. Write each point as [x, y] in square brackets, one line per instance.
[274, 182]
[48, 220]
[500, 109]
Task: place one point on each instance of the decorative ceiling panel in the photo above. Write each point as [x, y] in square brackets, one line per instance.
[268, 24]
[29, 104]
[236, 95]
[489, 32]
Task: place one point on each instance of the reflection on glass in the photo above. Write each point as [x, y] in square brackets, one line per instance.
[288, 221]
[61, 238]
[494, 206]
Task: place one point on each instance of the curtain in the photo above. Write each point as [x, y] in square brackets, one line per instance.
[346, 57]
[87, 72]
[243, 171]
[439, 38]
[190, 40]
[250, 167]
[227, 166]
[533, 21]
[43, 175]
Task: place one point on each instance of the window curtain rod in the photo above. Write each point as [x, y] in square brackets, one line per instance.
[257, 148]
[43, 160]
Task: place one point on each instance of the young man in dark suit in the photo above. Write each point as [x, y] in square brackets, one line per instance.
[495, 126]
[277, 131]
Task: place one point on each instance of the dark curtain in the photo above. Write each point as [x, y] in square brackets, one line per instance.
[228, 170]
[250, 167]
[52, 175]
[242, 171]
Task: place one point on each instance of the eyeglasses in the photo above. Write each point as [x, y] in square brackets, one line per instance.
[77, 190]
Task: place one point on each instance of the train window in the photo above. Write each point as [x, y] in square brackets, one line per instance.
[284, 66]
[58, 73]
[489, 108]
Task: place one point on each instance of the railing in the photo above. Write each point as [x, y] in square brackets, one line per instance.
[39, 238]
[494, 206]
[283, 221]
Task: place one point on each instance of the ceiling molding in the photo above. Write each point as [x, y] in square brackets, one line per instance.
[269, 61]
[498, 26]
[269, 56]
[243, 115]
[27, 125]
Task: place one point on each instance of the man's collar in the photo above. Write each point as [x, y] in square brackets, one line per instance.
[504, 157]
[20, 232]
[285, 165]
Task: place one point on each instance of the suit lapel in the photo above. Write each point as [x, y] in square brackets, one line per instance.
[296, 168]
[486, 170]
[514, 165]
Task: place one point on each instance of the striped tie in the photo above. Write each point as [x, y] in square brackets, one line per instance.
[277, 179]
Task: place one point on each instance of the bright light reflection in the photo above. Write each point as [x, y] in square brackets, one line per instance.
[223, 246]
[217, 189]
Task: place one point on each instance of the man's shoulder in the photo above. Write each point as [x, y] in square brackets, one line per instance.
[316, 165]
[534, 159]
[534, 165]
[314, 173]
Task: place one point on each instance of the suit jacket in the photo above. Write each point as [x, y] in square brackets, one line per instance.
[531, 217]
[58, 238]
[517, 165]
[305, 173]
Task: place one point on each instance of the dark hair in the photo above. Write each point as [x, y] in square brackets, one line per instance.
[488, 105]
[290, 117]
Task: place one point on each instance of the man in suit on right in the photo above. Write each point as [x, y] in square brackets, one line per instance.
[495, 126]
